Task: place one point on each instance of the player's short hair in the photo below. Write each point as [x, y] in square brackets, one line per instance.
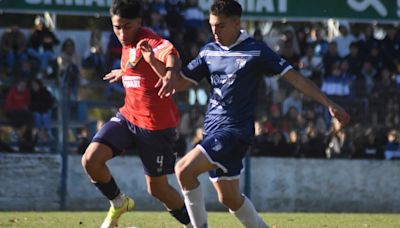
[129, 9]
[228, 8]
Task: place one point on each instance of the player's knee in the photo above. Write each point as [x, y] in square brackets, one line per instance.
[182, 171]
[156, 191]
[89, 161]
[228, 200]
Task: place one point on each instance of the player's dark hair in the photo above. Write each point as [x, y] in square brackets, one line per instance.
[228, 8]
[129, 9]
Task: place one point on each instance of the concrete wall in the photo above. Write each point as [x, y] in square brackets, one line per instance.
[32, 182]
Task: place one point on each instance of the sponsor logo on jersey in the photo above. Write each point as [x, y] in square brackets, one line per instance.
[131, 81]
[217, 79]
[282, 62]
[134, 57]
[240, 62]
[217, 146]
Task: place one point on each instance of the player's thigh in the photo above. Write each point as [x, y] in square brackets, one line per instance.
[116, 135]
[228, 190]
[97, 153]
[156, 183]
[194, 163]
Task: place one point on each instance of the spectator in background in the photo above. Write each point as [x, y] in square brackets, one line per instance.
[275, 119]
[94, 57]
[391, 48]
[40, 48]
[376, 57]
[115, 91]
[312, 145]
[13, 49]
[392, 148]
[41, 104]
[83, 140]
[369, 40]
[331, 57]
[293, 143]
[190, 120]
[369, 75]
[17, 105]
[17, 112]
[383, 90]
[290, 39]
[193, 20]
[302, 40]
[293, 100]
[290, 119]
[337, 87]
[344, 40]
[311, 118]
[392, 117]
[354, 59]
[174, 18]
[69, 64]
[320, 43]
[260, 141]
[196, 138]
[258, 35]
[157, 24]
[370, 147]
[113, 53]
[311, 65]
[289, 53]
[339, 144]
[277, 145]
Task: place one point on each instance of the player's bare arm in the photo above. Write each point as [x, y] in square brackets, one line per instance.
[183, 84]
[310, 89]
[148, 55]
[113, 76]
[168, 82]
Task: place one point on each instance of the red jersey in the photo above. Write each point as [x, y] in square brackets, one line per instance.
[17, 100]
[143, 107]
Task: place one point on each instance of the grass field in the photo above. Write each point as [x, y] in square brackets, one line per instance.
[216, 220]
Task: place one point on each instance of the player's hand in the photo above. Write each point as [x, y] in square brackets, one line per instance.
[147, 50]
[113, 76]
[339, 113]
[167, 84]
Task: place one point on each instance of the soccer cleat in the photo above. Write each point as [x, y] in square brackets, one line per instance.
[115, 213]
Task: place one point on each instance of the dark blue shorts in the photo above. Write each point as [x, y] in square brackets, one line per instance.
[155, 148]
[226, 150]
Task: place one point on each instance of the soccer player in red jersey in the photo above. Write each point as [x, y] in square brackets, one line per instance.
[146, 121]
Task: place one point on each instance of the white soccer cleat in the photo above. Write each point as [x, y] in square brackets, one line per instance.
[115, 213]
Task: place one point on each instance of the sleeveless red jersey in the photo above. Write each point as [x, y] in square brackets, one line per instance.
[143, 107]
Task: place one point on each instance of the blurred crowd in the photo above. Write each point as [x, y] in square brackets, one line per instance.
[358, 67]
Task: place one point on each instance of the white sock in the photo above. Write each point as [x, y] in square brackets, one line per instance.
[195, 206]
[118, 201]
[248, 216]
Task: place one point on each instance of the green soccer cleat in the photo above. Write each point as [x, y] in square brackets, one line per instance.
[114, 213]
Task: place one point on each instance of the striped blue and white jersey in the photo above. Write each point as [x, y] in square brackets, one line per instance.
[234, 73]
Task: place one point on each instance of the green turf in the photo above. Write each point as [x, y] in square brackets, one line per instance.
[216, 220]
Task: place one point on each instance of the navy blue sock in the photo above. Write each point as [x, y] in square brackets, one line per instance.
[181, 215]
[110, 189]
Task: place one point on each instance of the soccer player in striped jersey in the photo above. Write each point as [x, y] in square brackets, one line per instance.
[234, 65]
[146, 121]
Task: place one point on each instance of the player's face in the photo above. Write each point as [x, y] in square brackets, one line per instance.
[125, 29]
[226, 30]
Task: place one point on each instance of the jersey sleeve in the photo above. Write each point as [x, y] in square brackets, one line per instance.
[272, 63]
[196, 70]
[162, 49]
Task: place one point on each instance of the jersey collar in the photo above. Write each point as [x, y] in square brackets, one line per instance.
[243, 36]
